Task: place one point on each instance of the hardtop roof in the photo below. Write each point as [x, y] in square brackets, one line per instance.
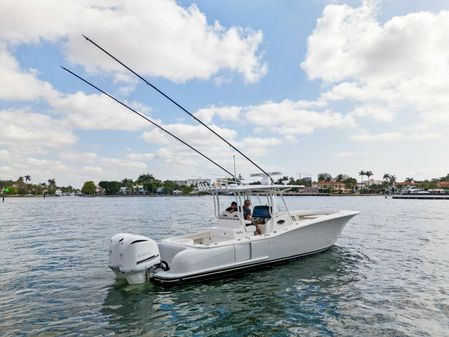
[255, 188]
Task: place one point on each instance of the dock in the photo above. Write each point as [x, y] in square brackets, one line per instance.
[422, 196]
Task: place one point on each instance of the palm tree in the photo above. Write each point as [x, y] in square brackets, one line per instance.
[393, 179]
[20, 180]
[361, 174]
[27, 178]
[390, 180]
[409, 180]
[340, 178]
[368, 174]
[51, 185]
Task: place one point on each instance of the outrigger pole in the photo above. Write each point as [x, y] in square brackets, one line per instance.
[150, 121]
[178, 105]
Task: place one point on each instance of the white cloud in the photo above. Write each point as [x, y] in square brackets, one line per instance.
[122, 163]
[26, 128]
[229, 113]
[186, 48]
[79, 157]
[140, 156]
[386, 136]
[401, 64]
[195, 135]
[17, 84]
[394, 136]
[106, 168]
[178, 160]
[290, 118]
[379, 113]
[4, 155]
[96, 111]
[45, 163]
[92, 169]
[255, 146]
[6, 169]
[338, 41]
[350, 154]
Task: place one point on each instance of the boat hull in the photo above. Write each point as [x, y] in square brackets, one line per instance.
[194, 264]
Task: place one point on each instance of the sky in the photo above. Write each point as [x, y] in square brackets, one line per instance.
[300, 87]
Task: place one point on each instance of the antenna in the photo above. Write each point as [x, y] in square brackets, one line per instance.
[175, 103]
[150, 121]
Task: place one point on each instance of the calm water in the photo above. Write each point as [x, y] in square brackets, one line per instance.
[388, 275]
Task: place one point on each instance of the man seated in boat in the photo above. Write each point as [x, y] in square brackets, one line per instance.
[232, 208]
[247, 215]
[247, 211]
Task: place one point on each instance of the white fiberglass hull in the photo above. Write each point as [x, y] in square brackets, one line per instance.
[189, 263]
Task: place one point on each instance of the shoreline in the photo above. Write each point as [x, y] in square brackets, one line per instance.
[190, 195]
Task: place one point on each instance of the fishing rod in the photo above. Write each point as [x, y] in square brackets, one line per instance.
[177, 104]
[150, 121]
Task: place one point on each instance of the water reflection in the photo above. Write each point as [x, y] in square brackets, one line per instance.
[262, 301]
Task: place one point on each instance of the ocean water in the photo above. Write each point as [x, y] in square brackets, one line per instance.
[388, 274]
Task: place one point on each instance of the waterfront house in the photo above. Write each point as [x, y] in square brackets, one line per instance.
[312, 189]
[333, 186]
[99, 190]
[140, 190]
[402, 184]
[443, 184]
[192, 182]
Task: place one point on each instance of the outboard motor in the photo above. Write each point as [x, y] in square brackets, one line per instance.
[114, 253]
[137, 254]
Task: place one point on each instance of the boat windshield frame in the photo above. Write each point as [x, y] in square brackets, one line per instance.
[272, 194]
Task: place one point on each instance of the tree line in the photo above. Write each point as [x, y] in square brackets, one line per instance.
[23, 186]
[144, 184]
[150, 184]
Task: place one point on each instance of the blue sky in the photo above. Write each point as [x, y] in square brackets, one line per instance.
[301, 87]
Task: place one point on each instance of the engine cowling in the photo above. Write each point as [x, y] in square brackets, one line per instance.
[137, 254]
[114, 253]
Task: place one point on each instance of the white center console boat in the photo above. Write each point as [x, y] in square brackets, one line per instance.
[233, 245]
[273, 234]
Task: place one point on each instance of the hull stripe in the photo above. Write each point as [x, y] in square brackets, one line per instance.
[218, 272]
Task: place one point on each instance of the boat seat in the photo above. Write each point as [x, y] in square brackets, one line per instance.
[183, 241]
[222, 234]
[229, 223]
[261, 213]
[250, 229]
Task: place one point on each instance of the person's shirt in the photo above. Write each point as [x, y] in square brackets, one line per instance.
[231, 209]
[246, 213]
